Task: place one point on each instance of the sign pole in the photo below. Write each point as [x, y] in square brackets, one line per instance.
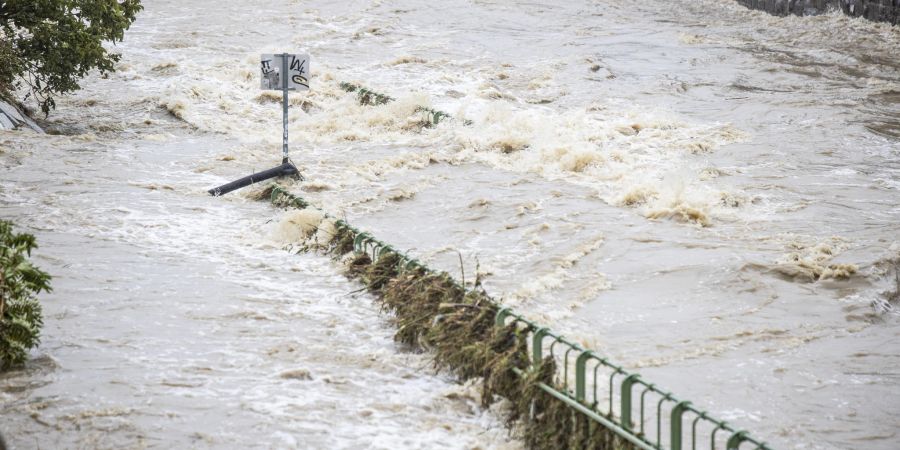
[271, 78]
[284, 106]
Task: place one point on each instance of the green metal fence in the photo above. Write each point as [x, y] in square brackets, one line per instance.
[635, 409]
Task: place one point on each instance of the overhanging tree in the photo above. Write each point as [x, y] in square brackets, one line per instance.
[49, 45]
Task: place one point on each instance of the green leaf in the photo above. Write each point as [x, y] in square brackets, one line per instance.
[20, 281]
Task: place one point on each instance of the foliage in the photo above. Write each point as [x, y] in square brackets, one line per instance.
[48, 45]
[20, 282]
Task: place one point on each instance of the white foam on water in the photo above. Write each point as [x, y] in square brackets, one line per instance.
[720, 161]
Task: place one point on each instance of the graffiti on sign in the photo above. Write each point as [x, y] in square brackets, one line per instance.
[297, 72]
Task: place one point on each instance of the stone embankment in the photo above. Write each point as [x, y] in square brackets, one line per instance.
[11, 118]
[877, 10]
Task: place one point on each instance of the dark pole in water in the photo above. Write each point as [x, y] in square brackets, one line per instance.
[286, 168]
[282, 170]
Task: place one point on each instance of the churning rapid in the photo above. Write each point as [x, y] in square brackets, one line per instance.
[703, 193]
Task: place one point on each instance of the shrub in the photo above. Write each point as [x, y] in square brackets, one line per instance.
[20, 282]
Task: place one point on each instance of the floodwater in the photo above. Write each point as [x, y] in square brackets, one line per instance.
[708, 195]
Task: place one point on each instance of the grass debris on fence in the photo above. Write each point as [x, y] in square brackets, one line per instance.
[470, 335]
[369, 97]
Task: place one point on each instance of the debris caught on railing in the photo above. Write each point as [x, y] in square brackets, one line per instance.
[472, 336]
[370, 97]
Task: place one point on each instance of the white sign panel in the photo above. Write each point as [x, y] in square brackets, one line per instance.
[297, 69]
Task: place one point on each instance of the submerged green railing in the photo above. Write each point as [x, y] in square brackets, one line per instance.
[370, 97]
[588, 369]
[638, 411]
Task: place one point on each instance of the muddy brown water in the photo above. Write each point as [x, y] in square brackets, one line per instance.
[706, 194]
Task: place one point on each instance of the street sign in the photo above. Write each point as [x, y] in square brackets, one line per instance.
[271, 67]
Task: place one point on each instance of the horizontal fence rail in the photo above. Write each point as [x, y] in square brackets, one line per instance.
[638, 411]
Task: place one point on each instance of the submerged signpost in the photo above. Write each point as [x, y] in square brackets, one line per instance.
[285, 72]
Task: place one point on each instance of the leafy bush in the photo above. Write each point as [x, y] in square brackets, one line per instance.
[48, 45]
[20, 282]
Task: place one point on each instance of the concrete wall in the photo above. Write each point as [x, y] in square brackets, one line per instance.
[11, 118]
[878, 10]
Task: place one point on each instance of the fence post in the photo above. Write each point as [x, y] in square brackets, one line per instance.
[580, 364]
[537, 345]
[677, 413]
[502, 314]
[626, 399]
[735, 440]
